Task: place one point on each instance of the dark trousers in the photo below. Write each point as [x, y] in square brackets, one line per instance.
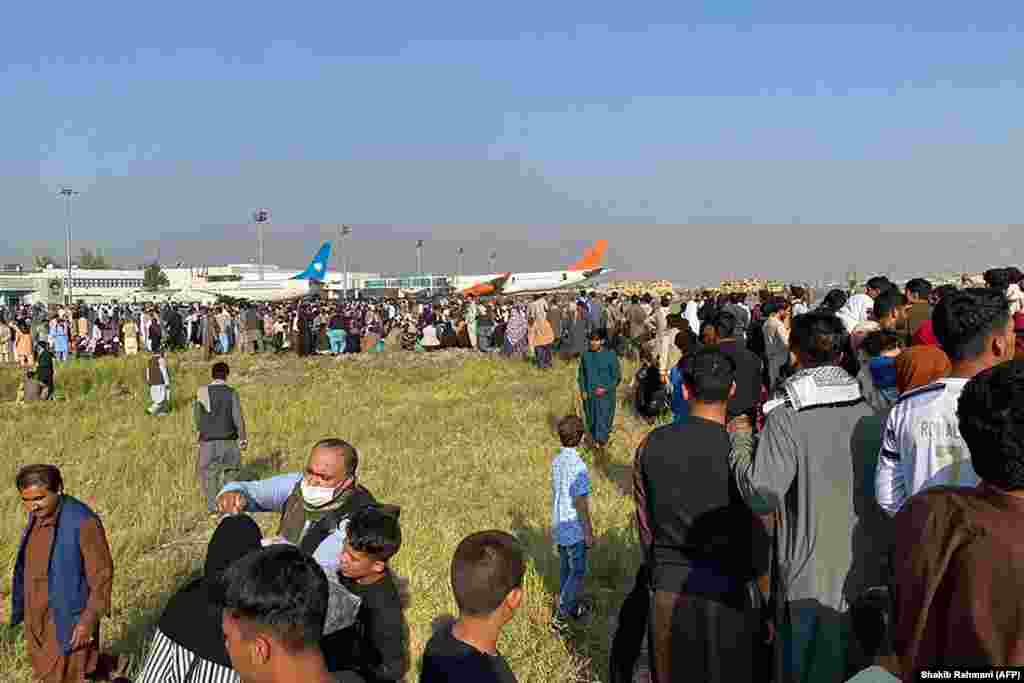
[348, 677]
[629, 633]
[693, 638]
[543, 354]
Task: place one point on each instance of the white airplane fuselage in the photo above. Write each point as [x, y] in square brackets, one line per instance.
[276, 290]
[519, 283]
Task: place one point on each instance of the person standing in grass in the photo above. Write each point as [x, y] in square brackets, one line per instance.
[541, 339]
[218, 418]
[159, 381]
[599, 376]
[6, 340]
[700, 540]
[63, 573]
[44, 368]
[23, 345]
[471, 316]
[131, 337]
[570, 520]
[487, 579]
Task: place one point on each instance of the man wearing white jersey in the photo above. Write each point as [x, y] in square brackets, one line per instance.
[921, 443]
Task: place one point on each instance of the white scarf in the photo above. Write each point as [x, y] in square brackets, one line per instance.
[825, 385]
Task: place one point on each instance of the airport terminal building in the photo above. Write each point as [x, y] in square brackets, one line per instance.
[50, 285]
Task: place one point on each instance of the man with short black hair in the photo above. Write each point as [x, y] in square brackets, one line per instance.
[699, 538]
[918, 292]
[876, 285]
[274, 609]
[958, 562]
[888, 310]
[217, 413]
[802, 477]
[63, 572]
[738, 307]
[487, 578]
[748, 365]
[373, 649]
[922, 445]
[315, 505]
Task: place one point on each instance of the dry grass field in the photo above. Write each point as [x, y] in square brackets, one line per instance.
[461, 442]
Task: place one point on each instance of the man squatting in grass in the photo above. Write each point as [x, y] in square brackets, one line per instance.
[315, 505]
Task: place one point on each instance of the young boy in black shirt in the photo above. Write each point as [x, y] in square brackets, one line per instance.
[487, 579]
[373, 649]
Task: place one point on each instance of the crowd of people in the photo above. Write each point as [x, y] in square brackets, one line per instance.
[835, 496]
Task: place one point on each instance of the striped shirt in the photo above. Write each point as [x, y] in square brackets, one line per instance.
[168, 662]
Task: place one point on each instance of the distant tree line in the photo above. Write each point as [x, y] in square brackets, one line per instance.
[87, 260]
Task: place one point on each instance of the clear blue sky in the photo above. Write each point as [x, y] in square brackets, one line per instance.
[176, 120]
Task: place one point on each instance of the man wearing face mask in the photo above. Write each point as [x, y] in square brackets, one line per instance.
[315, 505]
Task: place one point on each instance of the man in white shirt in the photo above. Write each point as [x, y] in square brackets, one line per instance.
[921, 443]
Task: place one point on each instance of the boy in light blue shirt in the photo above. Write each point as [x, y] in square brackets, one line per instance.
[570, 520]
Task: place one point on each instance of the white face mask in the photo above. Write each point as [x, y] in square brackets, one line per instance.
[317, 496]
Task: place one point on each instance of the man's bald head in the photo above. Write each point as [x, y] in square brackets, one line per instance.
[331, 461]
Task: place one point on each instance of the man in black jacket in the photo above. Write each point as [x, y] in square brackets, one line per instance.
[44, 368]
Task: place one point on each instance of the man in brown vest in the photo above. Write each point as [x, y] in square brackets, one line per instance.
[159, 382]
[315, 505]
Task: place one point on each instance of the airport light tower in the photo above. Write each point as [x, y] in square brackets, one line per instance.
[68, 194]
[260, 217]
[343, 232]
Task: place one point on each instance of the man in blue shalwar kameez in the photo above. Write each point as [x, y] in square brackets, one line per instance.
[599, 377]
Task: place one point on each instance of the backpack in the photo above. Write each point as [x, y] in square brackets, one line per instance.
[755, 339]
[651, 399]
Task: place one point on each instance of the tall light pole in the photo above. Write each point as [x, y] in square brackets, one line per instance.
[419, 257]
[68, 194]
[343, 232]
[461, 252]
[260, 216]
[493, 258]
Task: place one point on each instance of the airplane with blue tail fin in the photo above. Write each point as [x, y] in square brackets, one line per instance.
[317, 268]
[275, 287]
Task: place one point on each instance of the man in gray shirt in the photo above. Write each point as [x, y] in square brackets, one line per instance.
[802, 479]
[218, 418]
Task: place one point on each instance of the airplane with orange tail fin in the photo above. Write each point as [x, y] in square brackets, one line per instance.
[587, 268]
